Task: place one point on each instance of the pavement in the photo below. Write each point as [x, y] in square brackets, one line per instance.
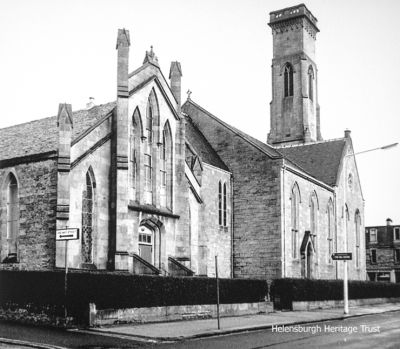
[189, 329]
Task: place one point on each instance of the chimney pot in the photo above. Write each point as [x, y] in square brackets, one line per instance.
[347, 133]
[389, 221]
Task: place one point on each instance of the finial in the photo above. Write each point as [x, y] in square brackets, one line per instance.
[188, 94]
[151, 57]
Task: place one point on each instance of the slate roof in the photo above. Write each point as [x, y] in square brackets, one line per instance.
[202, 147]
[264, 147]
[321, 160]
[41, 136]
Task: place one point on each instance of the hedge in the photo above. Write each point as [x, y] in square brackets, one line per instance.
[288, 290]
[121, 290]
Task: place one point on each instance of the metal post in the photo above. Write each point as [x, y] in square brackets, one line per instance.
[66, 281]
[216, 276]
[345, 289]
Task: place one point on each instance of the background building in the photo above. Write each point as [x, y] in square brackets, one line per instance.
[383, 252]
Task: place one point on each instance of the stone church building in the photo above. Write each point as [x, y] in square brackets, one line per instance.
[160, 187]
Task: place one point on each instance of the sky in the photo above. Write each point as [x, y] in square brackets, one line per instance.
[56, 51]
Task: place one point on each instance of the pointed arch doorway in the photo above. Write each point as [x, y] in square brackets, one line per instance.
[307, 251]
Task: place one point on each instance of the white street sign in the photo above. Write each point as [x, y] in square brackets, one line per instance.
[67, 234]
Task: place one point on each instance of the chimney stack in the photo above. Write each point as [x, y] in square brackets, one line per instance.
[347, 133]
[123, 43]
[175, 75]
[388, 222]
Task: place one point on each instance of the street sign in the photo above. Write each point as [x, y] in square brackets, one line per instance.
[343, 256]
[67, 234]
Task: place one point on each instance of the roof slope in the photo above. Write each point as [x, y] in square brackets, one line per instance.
[264, 147]
[40, 136]
[202, 147]
[321, 160]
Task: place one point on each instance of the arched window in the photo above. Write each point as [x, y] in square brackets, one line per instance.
[87, 218]
[314, 218]
[224, 205]
[311, 83]
[136, 135]
[166, 167]
[220, 203]
[358, 236]
[331, 228]
[12, 217]
[288, 80]
[294, 202]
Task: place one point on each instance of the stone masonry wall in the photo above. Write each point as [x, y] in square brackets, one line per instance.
[323, 267]
[256, 199]
[37, 194]
[216, 238]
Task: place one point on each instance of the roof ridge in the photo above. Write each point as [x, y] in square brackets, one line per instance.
[241, 134]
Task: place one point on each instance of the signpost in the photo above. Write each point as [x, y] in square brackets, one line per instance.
[66, 235]
[216, 276]
[344, 256]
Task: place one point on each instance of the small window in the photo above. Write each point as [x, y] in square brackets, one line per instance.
[288, 80]
[311, 83]
[373, 235]
[397, 255]
[396, 234]
[373, 256]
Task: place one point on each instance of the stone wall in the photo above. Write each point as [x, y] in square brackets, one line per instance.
[323, 267]
[37, 198]
[216, 238]
[349, 195]
[256, 198]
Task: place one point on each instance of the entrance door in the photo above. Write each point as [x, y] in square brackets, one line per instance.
[307, 256]
[146, 244]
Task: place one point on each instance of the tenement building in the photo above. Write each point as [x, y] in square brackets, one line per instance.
[383, 252]
[157, 187]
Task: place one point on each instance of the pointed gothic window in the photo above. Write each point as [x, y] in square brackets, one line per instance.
[331, 226]
[12, 216]
[87, 219]
[288, 80]
[311, 83]
[224, 205]
[136, 135]
[314, 219]
[149, 123]
[220, 203]
[358, 236]
[295, 199]
[166, 167]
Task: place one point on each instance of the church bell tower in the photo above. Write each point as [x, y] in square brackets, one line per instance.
[294, 106]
